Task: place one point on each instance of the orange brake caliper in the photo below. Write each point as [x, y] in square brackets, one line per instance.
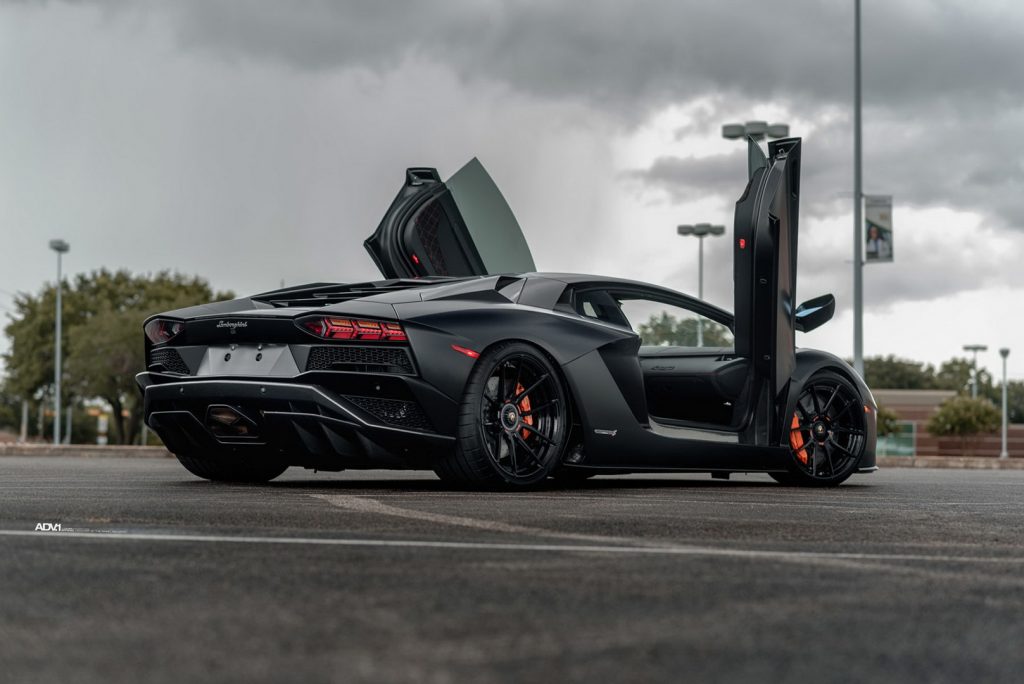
[796, 440]
[524, 406]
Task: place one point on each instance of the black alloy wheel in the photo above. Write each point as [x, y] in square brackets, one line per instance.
[827, 432]
[513, 423]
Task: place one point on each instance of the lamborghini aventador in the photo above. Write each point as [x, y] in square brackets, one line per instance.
[466, 361]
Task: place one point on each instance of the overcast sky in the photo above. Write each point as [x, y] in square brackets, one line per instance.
[258, 142]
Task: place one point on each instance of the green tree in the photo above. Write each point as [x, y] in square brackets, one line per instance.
[10, 412]
[668, 330]
[964, 418]
[102, 335]
[1014, 399]
[955, 375]
[890, 372]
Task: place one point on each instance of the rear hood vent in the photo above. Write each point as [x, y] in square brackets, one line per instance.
[325, 294]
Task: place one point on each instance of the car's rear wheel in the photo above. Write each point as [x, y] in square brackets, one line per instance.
[513, 422]
[231, 468]
[827, 433]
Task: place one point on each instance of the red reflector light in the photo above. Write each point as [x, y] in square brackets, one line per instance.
[415, 260]
[743, 243]
[350, 329]
[468, 352]
[160, 330]
[317, 326]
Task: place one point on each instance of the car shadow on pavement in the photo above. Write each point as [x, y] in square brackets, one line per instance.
[429, 484]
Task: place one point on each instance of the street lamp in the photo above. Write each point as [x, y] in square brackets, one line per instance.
[60, 247]
[758, 130]
[1004, 452]
[701, 230]
[974, 366]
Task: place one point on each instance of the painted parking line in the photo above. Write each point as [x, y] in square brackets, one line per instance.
[607, 549]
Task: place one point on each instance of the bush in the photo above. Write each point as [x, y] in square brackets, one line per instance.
[888, 422]
[964, 418]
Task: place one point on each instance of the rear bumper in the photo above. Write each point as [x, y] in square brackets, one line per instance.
[305, 424]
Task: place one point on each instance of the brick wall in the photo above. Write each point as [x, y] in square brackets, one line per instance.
[919, 405]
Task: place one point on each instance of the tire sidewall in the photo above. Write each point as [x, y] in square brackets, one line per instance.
[796, 474]
[470, 443]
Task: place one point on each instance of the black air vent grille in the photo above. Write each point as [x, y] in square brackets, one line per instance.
[360, 359]
[405, 414]
[170, 359]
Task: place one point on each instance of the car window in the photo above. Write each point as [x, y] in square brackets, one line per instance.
[661, 324]
[600, 305]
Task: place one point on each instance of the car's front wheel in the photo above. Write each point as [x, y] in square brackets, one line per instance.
[827, 433]
[231, 468]
[513, 421]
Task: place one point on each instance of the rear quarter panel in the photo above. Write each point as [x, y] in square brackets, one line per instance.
[433, 327]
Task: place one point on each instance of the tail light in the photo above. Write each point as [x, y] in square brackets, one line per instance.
[331, 328]
[160, 330]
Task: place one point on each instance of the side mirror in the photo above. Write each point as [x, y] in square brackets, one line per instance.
[815, 313]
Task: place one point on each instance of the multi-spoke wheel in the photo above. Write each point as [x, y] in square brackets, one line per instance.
[513, 422]
[827, 432]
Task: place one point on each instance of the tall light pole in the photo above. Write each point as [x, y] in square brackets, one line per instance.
[858, 246]
[701, 230]
[1004, 452]
[60, 247]
[975, 348]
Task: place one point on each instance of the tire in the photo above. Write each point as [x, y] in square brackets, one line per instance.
[231, 469]
[513, 421]
[827, 433]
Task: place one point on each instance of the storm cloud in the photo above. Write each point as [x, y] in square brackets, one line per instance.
[259, 141]
[640, 55]
[944, 93]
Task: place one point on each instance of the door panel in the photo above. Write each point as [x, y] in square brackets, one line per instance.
[460, 227]
[765, 251]
[703, 388]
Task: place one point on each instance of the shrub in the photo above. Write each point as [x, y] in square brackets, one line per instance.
[964, 418]
[888, 422]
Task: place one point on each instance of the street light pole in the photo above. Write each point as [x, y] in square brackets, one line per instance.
[858, 256]
[701, 231]
[60, 247]
[975, 348]
[1004, 452]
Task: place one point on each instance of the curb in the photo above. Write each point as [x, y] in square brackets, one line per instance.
[84, 451]
[962, 462]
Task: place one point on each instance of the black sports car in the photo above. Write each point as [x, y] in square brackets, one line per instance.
[468, 362]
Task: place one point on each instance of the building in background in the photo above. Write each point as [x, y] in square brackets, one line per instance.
[915, 407]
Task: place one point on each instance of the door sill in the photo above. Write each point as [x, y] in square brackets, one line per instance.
[703, 434]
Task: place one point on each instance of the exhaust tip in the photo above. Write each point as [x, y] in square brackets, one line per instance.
[227, 421]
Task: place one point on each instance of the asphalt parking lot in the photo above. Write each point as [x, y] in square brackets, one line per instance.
[904, 575]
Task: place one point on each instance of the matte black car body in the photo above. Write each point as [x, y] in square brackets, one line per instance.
[337, 404]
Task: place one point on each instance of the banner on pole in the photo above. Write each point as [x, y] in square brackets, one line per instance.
[877, 228]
